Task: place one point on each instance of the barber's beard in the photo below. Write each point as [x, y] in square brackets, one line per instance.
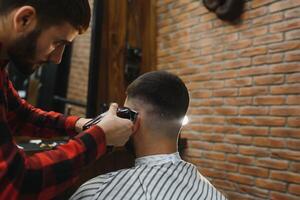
[22, 52]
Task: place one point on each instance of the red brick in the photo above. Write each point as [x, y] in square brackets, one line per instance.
[240, 120]
[223, 184]
[191, 6]
[269, 80]
[282, 5]
[208, 102]
[242, 82]
[225, 166]
[210, 172]
[253, 111]
[192, 152]
[293, 144]
[253, 171]
[240, 159]
[292, 35]
[202, 60]
[294, 78]
[286, 89]
[293, 13]
[254, 71]
[285, 111]
[285, 68]
[211, 120]
[269, 142]
[269, 100]
[295, 167]
[238, 178]
[208, 17]
[254, 51]
[213, 84]
[225, 93]
[286, 154]
[294, 122]
[292, 56]
[267, 59]
[268, 39]
[254, 151]
[282, 196]
[211, 137]
[268, 19]
[237, 196]
[226, 74]
[257, 3]
[254, 131]
[225, 148]
[239, 101]
[236, 139]
[199, 11]
[199, 145]
[225, 56]
[255, 32]
[285, 132]
[272, 163]
[271, 185]
[238, 28]
[258, 193]
[254, 13]
[269, 121]
[239, 44]
[226, 111]
[294, 189]
[293, 100]
[239, 62]
[201, 111]
[201, 94]
[284, 46]
[225, 129]
[214, 155]
[285, 176]
[253, 91]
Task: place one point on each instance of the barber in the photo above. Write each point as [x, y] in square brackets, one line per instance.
[33, 32]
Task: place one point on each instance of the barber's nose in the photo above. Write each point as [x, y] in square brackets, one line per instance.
[56, 55]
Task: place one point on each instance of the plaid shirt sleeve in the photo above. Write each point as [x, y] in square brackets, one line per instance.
[47, 174]
[26, 120]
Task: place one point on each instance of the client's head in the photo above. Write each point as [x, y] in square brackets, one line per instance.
[162, 100]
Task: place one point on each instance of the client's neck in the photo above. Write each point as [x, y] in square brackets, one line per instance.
[153, 146]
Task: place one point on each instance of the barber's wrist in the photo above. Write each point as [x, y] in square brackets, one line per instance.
[80, 123]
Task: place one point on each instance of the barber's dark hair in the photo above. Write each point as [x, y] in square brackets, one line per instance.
[166, 92]
[54, 12]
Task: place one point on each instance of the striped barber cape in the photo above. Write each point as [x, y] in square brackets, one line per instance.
[164, 177]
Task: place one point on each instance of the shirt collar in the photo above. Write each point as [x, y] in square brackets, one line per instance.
[158, 159]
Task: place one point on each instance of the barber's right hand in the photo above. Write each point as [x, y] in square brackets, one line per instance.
[117, 130]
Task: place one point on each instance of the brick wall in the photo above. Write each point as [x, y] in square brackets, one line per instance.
[244, 83]
[79, 73]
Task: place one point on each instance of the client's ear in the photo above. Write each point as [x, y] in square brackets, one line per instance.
[136, 125]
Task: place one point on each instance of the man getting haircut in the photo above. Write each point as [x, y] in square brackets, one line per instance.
[162, 100]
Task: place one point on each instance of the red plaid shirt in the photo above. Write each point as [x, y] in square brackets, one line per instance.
[43, 175]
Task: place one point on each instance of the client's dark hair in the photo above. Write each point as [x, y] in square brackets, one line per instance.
[164, 91]
[54, 12]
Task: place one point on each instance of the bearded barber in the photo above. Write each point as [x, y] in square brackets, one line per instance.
[32, 33]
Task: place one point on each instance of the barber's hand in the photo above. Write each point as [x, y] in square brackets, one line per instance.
[116, 129]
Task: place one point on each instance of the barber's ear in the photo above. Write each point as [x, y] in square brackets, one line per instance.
[25, 19]
[136, 125]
